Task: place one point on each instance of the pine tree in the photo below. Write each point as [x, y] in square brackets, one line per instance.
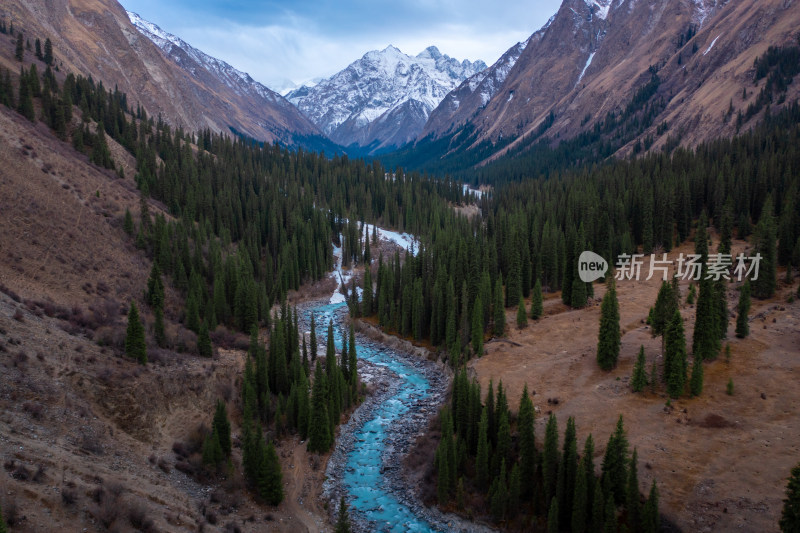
[632, 495]
[19, 52]
[319, 436]
[482, 457]
[135, 346]
[212, 450]
[550, 458]
[552, 516]
[222, 426]
[790, 516]
[527, 442]
[537, 308]
[499, 309]
[159, 331]
[598, 506]
[675, 357]
[608, 341]
[127, 224]
[366, 297]
[639, 378]
[764, 286]
[343, 522]
[477, 327]
[499, 495]
[25, 100]
[568, 472]
[610, 519]
[270, 478]
[514, 490]
[312, 339]
[155, 288]
[522, 314]
[48, 51]
[204, 346]
[651, 521]
[615, 463]
[742, 324]
[580, 500]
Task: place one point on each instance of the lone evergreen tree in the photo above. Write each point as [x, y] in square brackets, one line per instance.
[522, 314]
[127, 224]
[742, 324]
[135, 345]
[608, 341]
[790, 517]
[48, 51]
[639, 379]
[343, 522]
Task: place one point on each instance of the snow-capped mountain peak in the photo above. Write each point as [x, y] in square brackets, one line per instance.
[384, 98]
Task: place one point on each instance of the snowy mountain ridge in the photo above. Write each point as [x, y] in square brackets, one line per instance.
[240, 82]
[384, 98]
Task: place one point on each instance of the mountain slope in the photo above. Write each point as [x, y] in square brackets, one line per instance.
[96, 38]
[383, 99]
[594, 58]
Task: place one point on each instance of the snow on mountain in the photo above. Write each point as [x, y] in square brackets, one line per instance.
[172, 46]
[384, 98]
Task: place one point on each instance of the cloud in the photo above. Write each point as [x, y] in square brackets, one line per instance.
[275, 43]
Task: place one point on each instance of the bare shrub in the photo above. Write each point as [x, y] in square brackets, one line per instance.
[164, 466]
[34, 409]
[19, 359]
[18, 315]
[138, 516]
[69, 496]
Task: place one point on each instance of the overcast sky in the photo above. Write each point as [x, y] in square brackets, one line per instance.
[301, 40]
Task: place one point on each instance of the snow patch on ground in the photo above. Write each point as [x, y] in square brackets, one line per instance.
[712, 44]
[588, 62]
[467, 190]
[344, 277]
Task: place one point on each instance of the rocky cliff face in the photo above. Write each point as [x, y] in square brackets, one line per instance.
[383, 99]
[593, 56]
[188, 88]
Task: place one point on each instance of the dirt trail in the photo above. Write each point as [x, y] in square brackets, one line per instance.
[300, 503]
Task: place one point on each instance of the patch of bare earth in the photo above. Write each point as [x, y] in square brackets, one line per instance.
[721, 462]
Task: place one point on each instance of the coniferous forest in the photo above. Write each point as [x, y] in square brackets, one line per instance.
[246, 223]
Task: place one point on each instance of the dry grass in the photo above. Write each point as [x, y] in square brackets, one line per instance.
[707, 453]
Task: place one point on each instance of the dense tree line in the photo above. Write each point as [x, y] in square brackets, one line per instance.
[488, 458]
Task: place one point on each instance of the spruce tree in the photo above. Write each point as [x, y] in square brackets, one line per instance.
[608, 341]
[537, 308]
[159, 331]
[343, 521]
[19, 52]
[212, 453]
[615, 463]
[48, 51]
[598, 506]
[270, 477]
[155, 288]
[366, 296]
[552, 516]
[135, 346]
[319, 435]
[477, 327]
[675, 357]
[790, 516]
[610, 519]
[550, 458]
[639, 378]
[499, 309]
[742, 324]
[312, 339]
[222, 426]
[527, 442]
[651, 521]
[522, 314]
[632, 495]
[580, 500]
[765, 236]
[25, 101]
[127, 224]
[499, 503]
[482, 457]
